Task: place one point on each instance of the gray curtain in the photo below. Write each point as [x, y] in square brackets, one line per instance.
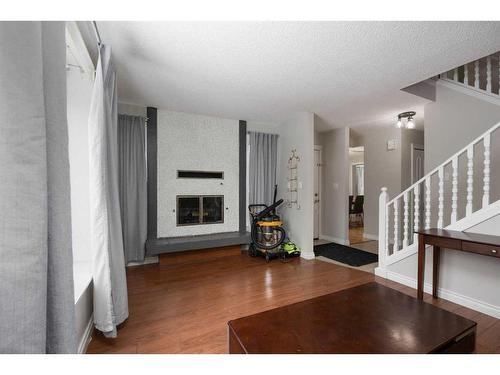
[106, 241]
[37, 313]
[132, 184]
[262, 171]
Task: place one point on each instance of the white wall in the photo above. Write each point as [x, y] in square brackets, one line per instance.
[298, 133]
[132, 109]
[78, 96]
[194, 142]
[263, 127]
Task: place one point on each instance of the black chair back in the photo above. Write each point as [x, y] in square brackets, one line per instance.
[358, 204]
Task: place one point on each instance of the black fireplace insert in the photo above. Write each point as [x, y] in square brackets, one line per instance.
[200, 209]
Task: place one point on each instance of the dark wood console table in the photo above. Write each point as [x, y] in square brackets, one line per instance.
[453, 240]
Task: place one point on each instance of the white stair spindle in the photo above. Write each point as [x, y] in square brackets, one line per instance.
[466, 74]
[386, 231]
[396, 227]
[427, 202]
[486, 177]
[454, 190]
[440, 197]
[488, 74]
[416, 212]
[476, 74]
[405, 220]
[455, 74]
[470, 179]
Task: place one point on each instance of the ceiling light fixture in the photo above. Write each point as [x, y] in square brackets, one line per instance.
[410, 122]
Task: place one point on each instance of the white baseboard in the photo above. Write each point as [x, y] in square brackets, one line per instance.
[371, 236]
[148, 260]
[307, 256]
[87, 336]
[449, 295]
[379, 271]
[333, 239]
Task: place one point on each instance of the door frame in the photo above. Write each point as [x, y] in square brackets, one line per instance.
[414, 146]
[320, 193]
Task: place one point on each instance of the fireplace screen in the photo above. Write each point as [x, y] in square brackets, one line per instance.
[200, 209]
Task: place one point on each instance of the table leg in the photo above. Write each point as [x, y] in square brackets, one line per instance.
[436, 255]
[421, 267]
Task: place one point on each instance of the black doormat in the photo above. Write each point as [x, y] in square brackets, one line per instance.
[345, 254]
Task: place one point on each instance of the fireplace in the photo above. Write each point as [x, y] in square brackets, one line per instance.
[200, 209]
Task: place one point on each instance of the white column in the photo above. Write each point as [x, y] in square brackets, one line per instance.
[396, 226]
[488, 74]
[454, 190]
[476, 74]
[416, 213]
[470, 179]
[383, 227]
[427, 202]
[455, 74]
[440, 197]
[466, 74]
[486, 178]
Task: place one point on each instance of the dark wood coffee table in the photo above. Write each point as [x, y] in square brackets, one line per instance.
[370, 318]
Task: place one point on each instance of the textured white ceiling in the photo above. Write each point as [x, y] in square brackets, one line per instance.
[348, 73]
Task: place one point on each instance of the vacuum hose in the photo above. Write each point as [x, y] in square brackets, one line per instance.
[267, 246]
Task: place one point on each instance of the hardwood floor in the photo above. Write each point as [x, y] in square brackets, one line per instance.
[183, 306]
[356, 235]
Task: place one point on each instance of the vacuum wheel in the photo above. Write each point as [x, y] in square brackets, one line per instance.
[252, 251]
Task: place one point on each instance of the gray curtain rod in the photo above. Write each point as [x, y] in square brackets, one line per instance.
[96, 31]
[251, 131]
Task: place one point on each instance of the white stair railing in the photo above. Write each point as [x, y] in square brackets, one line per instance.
[481, 75]
[393, 245]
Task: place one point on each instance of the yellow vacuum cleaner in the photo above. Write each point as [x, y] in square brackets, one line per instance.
[267, 231]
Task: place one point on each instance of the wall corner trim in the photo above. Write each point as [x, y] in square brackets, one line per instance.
[152, 165]
[242, 175]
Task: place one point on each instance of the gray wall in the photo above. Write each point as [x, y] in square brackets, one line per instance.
[335, 184]
[382, 168]
[298, 133]
[451, 123]
[471, 279]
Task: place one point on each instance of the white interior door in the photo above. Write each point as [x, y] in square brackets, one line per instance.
[417, 163]
[317, 177]
[417, 172]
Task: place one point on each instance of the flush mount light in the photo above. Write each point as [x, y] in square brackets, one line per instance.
[410, 122]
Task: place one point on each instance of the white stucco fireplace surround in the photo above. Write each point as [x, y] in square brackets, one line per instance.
[188, 142]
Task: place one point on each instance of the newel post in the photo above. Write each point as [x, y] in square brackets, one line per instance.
[382, 226]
